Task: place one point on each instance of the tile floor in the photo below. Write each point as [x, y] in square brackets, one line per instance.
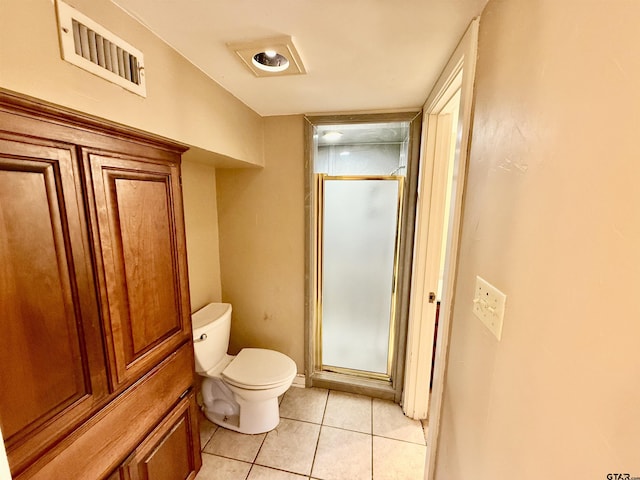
[323, 435]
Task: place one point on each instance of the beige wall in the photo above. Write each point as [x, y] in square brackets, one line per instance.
[182, 103]
[261, 217]
[201, 224]
[551, 219]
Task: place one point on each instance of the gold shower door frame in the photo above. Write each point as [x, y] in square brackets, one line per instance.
[319, 236]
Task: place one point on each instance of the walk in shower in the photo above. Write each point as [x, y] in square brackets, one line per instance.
[360, 218]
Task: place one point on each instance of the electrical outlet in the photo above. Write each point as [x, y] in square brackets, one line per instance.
[488, 306]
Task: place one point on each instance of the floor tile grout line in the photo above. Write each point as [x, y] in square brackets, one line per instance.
[344, 429]
[326, 425]
[256, 455]
[371, 438]
[326, 405]
[303, 421]
[226, 457]
[400, 440]
[315, 452]
[280, 470]
[253, 464]
[202, 447]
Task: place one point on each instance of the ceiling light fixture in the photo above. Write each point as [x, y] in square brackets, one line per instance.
[270, 61]
[332, 136]
[270, 57]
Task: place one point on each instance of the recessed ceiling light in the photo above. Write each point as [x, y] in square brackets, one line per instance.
[270, 57]
[332, 136]
[345, 153]
[270, 61]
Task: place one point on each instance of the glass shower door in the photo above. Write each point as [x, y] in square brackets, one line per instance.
[359, 248]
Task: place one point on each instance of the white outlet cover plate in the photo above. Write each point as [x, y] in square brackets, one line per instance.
[489, 305]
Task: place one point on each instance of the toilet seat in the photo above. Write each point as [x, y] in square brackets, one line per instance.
[259, 369]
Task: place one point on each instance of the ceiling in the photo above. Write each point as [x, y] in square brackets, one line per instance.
[360, 55]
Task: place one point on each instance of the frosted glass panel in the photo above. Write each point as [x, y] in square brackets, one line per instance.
[359, 238]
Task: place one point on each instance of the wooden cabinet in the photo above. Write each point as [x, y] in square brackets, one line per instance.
[115, 475]
[95, 333]
[136, 224]
[164, 453]
[51, 363]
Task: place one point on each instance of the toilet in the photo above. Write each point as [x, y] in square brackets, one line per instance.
[239, 392]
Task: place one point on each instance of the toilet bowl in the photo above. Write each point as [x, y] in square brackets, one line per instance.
[239, 392]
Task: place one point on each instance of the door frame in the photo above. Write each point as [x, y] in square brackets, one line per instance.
[464, 58]
[458, 75]
[314, 376]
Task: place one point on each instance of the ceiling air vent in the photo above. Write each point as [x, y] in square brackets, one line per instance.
[92, 47]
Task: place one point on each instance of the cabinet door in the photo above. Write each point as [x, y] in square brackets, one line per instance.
[172, 450]
[115, 475]
[138, 231]
[52, 370]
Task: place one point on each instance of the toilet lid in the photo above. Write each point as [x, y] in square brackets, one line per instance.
[257, 367]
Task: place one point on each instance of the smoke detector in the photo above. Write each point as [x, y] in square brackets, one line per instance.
[269, 57]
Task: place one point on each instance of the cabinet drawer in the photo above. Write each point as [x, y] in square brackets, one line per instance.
[172, 450]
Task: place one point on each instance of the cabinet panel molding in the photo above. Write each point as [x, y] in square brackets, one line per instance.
[171, 451]
[52, 371]
[142, 270]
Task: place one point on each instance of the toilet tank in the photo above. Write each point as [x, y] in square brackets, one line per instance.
[211, 327]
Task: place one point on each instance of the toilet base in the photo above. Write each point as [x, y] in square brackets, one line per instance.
[228, 409]
[254, 417]
[230, 423]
